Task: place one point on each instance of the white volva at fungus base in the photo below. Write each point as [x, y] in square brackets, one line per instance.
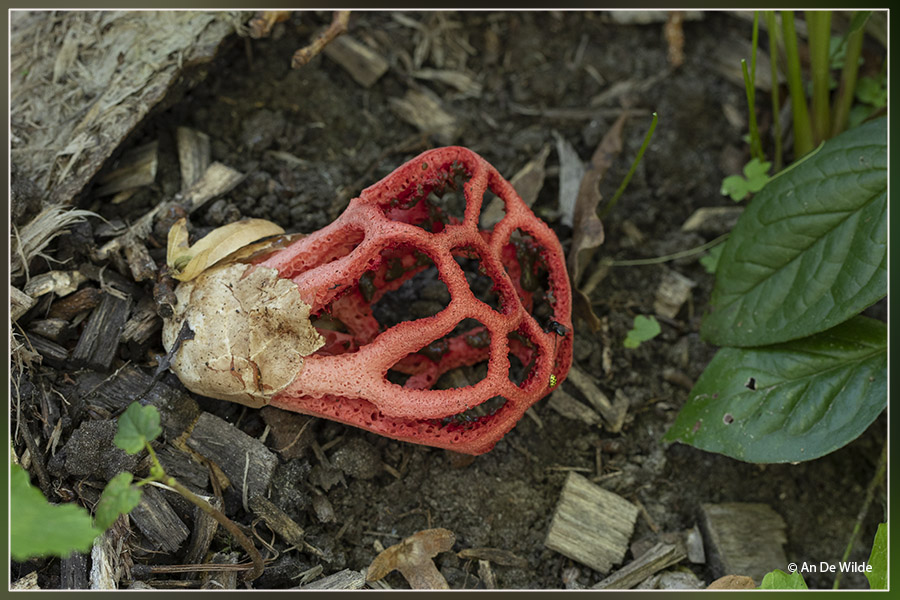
[251, 332]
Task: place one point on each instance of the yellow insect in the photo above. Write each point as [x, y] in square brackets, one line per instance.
[552, 380]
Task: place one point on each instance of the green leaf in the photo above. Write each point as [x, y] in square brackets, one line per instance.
[872, 91]
[38, 528]
[810, 250]
[779, 580]
[754, 179]
[119, 497]
[878, 560]
[645, 328]
[711, 260]
[789, 402]
[137, 426]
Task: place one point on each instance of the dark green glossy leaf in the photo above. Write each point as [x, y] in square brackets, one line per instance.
[119, 497]
[137, 425]
[878, 560]
[789, 402]
[810, 251]
[38, 528]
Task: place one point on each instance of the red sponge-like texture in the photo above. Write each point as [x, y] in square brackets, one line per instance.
[399, 228]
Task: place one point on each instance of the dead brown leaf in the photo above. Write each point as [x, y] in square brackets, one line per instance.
[412, 557]
[187, 262]
[732, 582]
[587, 234]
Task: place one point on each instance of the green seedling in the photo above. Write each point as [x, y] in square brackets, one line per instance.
[755, 178]
[138, 427]
[644, 329]
[38, 528]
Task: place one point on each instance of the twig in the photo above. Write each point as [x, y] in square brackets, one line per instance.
[36, 460]
[337, 27]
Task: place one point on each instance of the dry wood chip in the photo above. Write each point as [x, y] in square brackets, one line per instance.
[61, 283]
[29, 241]
[136, 168]
[463, 82]
[19, 302]
[412, 557]
[193, 155]
[424, 110]
[655, 559]
[673, 291]
[570, 408]
[363, 64]
[613, 413]
[497, 556]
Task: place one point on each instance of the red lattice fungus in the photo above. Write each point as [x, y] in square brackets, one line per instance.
[410, 221]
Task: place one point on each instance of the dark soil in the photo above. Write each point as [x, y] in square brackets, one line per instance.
[348, 137]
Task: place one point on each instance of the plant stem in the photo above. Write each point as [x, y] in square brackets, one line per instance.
[819, 24]
[864, 510]
[615, 199]
[662, 259]
[228, 524]
[844, 99]
[776, 105]
[750, 88]
[219, 516]
[803, 138]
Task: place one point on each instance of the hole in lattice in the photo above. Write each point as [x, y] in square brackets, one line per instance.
[493, 209]
[481, 284]
[522, 358]
[472, 416]
[332, 247]
[396, 377]
[456, 360]
[523, 259]
[432, 203]
[405, 287]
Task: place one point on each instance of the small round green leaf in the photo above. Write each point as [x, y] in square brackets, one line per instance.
[38, 528]
[119, 497]
[779, 580]
[137, 425]
[645, 328]
[810, 250]
[789, 402]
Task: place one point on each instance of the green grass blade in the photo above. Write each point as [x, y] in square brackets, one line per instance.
[849, 75]
[776, 104]
[819, 26]
[803, 137]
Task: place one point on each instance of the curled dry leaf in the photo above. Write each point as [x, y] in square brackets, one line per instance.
[412, 557]
[187, 262]
[587, 232]
[732, 582]
[251, 332]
